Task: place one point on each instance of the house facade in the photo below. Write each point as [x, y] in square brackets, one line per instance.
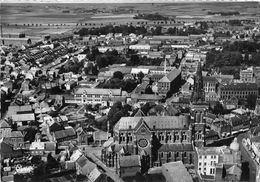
[97, 95]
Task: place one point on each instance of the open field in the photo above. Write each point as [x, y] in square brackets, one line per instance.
[67, 16]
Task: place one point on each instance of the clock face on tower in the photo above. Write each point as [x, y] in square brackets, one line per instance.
[143, 143]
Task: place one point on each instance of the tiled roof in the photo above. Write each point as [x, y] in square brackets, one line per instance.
[130, 161]
[240, 86]
[170, 76]
[159, 122]
[16, 134]
[176, 147]
[23, 117]
[99, 91]
[69, 131]
[12, 110]
[209, 79]
[4, 124]
[146, 97]
[176, 172]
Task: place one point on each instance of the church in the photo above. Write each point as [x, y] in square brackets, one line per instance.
[157, 139]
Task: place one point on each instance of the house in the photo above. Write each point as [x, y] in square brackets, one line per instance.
[16, 139]
[6, 150]
[143, 98]
[64, 135]
[100, 136]
[14, 109]
[211, 161]
[231, 103]
[82, 136]
[247, 75]
[170, 83]
[140, 47]
[41, 148]
[5, 129]
[84, 166]
[129, 165]
[176, 172]
[23, 119]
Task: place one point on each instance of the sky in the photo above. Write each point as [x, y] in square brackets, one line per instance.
[117, 1]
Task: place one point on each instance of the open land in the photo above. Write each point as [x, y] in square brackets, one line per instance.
[45, 17]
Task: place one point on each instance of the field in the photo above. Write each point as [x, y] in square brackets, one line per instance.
[67, 16]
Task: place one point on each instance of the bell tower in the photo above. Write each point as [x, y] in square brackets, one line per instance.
[198, 94]
[198, 108]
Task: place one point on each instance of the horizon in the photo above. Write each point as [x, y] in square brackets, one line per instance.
[122, 1]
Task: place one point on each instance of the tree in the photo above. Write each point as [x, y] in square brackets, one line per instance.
[51, 162]
[251, 101]
[155, 147]
[140, 76]
[118, 75]
[134, 60]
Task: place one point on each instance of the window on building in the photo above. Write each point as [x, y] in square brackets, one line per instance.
[199, 163]
[184, 136]
[161, 136]
[205, 163]
[169, 154]
[168, 136]
[129, 137]
[212, 171]
[161, 154]
[184, 154]
[121, 137]
[199, 169]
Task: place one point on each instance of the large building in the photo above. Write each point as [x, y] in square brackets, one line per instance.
[158, 139]
[170, 83]
[93, 96]
[238, 90]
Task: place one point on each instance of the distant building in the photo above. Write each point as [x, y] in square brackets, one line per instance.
[239, 90]
[140, 47]
[96, 95]
[247, 76]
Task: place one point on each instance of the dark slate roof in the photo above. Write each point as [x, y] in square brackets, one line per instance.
[176, 147]
[240, 86]
[130, 161]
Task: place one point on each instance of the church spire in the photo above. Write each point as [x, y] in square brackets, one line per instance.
[198, 95]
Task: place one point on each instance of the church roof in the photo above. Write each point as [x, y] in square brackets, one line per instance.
[170, 76]
[157, 122]
[139, 113]
[176, 147]
[4, 124]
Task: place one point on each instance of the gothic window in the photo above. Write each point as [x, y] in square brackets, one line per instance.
[168, 136]
[169, 154]
[161, 137]
[121, 137]
[129, 137]
[184, 136]
[177, 137]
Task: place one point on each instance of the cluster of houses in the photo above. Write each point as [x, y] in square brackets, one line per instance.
[173, 140]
